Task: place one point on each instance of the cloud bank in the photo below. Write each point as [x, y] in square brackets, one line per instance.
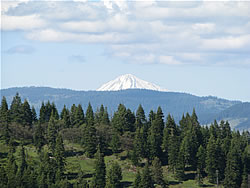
[146, 32]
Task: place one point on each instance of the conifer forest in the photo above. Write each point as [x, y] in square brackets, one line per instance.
[80, 148]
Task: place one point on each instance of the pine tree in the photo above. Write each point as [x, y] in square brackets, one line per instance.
[89, 139]
[26, 113]
[73, 115]
[23, 164]
[39, 139]
[157, 172]
[137, 181]
[79, 116]
[52, 134]
[65, 116]
[146, 178]
[114, 176]
[211, 159]
[54, 111]
[115, 142]
[173, 149]
[201, 160]
[140, 118]
[59, 154]
[4, 112]
[11, 170]
[129, 121]
[89, 115]
[233, 166]
[34, 115]
[100, 171]
[16, 110]
[180, 165]
[42, 118]
[105, 118]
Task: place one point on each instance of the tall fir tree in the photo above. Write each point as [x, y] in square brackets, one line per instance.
[157, 172]
[16, 109]
[60, 154]
[146, 178]
[140, 118]
[114, 176]
[233, 169]
[99, 180]
[52, 134]
[26, 113]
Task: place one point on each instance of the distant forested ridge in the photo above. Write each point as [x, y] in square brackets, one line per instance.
[81, 147]
[176, 103]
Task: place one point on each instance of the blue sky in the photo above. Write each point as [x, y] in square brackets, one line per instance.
[198, 47]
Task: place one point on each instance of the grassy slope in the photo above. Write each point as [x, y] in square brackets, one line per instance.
[77, 162]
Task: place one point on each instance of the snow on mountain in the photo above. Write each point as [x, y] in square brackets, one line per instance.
[128, 81]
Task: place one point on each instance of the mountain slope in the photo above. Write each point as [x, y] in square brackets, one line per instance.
[207, 108]
[128, 81]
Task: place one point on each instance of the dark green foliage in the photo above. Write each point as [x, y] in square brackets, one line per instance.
[27, 113]
[59, 155]
[65, 116]
[89, 115]
[23, 164]
[52, 134]
[146, 178]
[115, 142]
[89, 139]
[137, 181]
[114, 176]
[79, 116]
[180, 165]
[233, 166]
[34, 115]
[157, 172]
[140, 118]
[16, 114]
[100, 171]
[201, 161]
[39, 139]
[212, 159]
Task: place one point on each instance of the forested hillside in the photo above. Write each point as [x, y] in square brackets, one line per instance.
[175, 103]
[80, 147]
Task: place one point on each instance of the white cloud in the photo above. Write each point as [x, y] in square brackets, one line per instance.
[22, 22]
[169, 60]
[172, 33]
[226, 43]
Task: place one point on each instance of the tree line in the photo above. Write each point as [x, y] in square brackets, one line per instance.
[213, 152]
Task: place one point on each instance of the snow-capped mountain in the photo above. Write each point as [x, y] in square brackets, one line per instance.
[128, 81]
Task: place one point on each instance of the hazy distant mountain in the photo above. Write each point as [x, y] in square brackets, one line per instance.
[128, 81]
[207, 108]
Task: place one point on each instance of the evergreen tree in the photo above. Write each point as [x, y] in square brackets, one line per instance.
[65, 116]
[129, 121]
[39, 139]
[137, 181]
[26, 113]
[54, 111]
[140, 118]
[180, 164]
[157, 172]
[89, 138]
[11, 170]
[73, 115]
[79, 116]
[146, 178]
[233, 167]
[114, 176]
[59, 155]
[105, 118]
[201, 160]
[52, 134]
[16, 110]
[42, 117]
[4, 112]
[173, 149]
[100, 171]
[211, 159]
[115, 142]
[23, 164]
[4, 120]
[89, 115]
[34, 115]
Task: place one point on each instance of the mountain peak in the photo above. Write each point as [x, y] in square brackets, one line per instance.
[128, 81]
